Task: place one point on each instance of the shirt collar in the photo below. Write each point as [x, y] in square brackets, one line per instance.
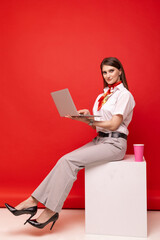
[120, 86]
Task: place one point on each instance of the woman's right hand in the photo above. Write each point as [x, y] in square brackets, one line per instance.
[84, 112]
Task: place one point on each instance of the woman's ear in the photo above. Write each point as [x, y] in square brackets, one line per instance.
[120, 72]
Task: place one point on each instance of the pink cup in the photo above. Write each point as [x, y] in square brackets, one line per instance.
[138, 152]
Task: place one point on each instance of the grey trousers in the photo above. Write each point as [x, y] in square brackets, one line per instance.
[54, 189]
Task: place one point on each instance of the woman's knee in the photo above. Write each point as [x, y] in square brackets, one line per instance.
[70, 164]
[64, 160]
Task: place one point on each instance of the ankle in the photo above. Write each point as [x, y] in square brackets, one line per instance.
[49, 211]
[32, 200]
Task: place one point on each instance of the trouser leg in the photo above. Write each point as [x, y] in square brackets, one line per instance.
[55, 188]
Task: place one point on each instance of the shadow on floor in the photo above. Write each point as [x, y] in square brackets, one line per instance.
[66, 221]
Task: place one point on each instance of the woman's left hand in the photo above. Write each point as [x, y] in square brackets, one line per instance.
[80, 119]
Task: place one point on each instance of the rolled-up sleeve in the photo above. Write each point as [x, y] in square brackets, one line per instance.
[124, 105]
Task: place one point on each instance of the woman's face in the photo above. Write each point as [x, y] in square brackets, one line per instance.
[111, 74]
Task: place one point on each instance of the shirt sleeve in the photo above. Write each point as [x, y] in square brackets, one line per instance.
[125, 104]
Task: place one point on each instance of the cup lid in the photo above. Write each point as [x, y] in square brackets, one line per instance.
[140, 144]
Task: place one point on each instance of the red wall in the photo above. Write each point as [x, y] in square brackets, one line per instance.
[48, 45]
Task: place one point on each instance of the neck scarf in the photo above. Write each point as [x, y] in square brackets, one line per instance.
[106, 95]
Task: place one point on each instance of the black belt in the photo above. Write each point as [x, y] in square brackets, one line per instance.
[113, 134]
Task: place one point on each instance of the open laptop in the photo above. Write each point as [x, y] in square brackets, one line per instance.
[65, 104]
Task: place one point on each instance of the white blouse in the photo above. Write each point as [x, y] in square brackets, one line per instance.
[120, 102]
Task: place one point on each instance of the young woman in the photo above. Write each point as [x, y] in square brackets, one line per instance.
[115, 108]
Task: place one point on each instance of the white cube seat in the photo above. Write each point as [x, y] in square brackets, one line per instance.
[115, 198]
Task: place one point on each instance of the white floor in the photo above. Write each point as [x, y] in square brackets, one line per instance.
[70, 226]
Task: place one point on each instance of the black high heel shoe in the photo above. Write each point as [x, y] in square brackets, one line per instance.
[36, 224]
[30, 210]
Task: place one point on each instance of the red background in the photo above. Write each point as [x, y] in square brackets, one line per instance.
[48, 45]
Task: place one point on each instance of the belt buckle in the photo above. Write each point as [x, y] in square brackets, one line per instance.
[115, 134]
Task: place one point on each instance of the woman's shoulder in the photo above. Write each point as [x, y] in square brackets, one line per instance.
[125, 91]
[125, 94]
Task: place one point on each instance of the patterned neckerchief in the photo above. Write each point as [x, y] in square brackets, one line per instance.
[106, 95]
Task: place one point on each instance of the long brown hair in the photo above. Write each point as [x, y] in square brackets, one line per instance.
[114, 62]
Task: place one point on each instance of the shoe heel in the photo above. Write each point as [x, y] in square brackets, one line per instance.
[29, 218]
[52, 225]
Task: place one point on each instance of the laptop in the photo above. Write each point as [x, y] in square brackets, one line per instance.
[65, 104]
